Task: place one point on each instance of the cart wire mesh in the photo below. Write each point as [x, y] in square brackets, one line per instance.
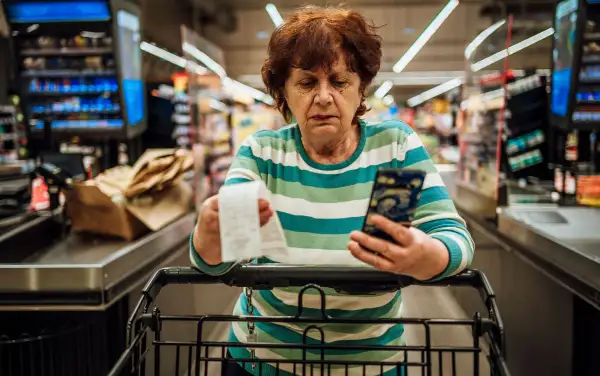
[151, 351]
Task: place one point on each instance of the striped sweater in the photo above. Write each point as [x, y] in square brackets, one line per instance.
[318, 206]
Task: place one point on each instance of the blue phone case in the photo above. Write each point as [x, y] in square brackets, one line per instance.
[395, 195]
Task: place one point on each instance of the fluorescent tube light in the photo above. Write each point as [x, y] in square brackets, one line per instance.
[388, 100]
[511, 50]
[425, 36]
[434, 92]
[194, 67]
[233, 86]
[481, 37]
[218, 105]
[530, 41]
[489, 61]
[163, 54]
[383, 89]
[204, 59]
[274, 14]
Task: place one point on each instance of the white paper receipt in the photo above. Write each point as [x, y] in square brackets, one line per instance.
[242, 238]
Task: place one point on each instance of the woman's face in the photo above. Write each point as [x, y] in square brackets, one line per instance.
[323, 103]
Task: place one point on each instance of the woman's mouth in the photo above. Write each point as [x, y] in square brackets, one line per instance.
[322, 117]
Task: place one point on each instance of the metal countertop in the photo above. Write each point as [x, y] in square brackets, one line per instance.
[87, 270]
[566, 238]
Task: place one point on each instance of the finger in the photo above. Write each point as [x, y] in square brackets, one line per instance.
[383, 247]
[263, 205]
[400, 233]
[264, 216]
[369, 257]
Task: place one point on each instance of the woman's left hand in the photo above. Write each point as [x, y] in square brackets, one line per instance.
[414, 253]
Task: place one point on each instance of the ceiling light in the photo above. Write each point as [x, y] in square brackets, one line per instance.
[489, 61]
[511, 50]
[425, 36]
[388, 100]
[434, 92]
[234, 86]
[530, 41]
[204, 59]
[383, 89]
[481, 37]
[196, 68]
[163, 54]
[218, 105]
[274, 14]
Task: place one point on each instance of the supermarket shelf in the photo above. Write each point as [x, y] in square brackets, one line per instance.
[68, 73]
[591, 58]
[70, 93]
[63, 113]
[591, 36]
[589, 80]
[67, 51]
[589, 102]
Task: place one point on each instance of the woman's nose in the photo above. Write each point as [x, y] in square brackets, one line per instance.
[324, 95]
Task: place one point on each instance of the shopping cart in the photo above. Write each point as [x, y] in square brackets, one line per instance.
[147, 345]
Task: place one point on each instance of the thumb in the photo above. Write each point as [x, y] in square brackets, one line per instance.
[265, 215]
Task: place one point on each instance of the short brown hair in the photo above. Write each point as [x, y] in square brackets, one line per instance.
[311, 38]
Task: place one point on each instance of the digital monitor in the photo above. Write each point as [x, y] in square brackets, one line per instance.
[130, 57]
[58, 11]
[565, 31]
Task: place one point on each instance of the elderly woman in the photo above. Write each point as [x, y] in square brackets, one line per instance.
[320, 171]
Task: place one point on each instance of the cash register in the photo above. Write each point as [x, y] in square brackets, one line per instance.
[24, 232]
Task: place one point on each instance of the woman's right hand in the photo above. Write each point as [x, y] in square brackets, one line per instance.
[207, 235]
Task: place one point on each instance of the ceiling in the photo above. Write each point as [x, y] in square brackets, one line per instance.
[402, 21]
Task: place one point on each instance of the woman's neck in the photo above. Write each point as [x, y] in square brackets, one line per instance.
[333, 151]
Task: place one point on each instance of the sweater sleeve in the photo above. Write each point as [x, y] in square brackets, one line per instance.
[244, 168]
[436, 214]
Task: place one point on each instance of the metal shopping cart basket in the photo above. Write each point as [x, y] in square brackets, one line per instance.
[147, 342]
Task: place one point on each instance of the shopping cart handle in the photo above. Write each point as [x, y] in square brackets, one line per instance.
[348, 279]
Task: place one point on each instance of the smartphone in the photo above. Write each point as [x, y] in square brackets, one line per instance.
[395, 195]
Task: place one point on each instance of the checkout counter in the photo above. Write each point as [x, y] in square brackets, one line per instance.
[64, 307]
[544, 264]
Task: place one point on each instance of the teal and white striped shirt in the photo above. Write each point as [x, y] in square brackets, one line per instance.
[318, 206]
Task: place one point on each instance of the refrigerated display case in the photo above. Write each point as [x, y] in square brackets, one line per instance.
[79, 68]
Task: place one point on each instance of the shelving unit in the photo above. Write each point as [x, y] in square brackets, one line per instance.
[13, 136]
[478, 137]
[79, 74]
[575, 104]
[74, 87]
[182, 120]
[525, 132]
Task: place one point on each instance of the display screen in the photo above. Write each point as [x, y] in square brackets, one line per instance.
[130, 57]
[562, 55]
[58, 11]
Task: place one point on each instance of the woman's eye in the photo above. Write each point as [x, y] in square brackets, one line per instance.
[339, 83]
[306, 83]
